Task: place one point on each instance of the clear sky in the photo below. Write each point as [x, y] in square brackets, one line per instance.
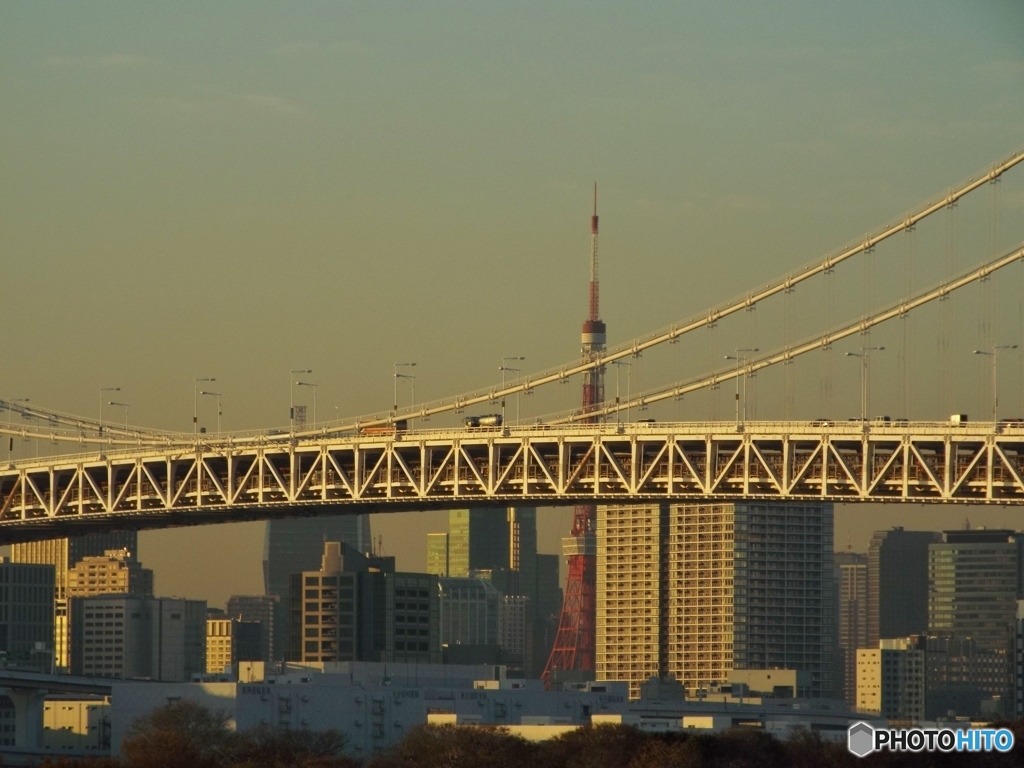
[238, 189]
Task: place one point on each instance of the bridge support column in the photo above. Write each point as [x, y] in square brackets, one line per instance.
[28, 717]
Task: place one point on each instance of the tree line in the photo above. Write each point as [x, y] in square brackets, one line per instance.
[185, 734]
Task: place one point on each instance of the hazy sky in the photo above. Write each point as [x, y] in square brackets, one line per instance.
[239, 189]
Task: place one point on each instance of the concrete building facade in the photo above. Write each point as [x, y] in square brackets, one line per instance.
[125, 636]
[972, 611]
[260, 609]
[26, 613]
[116, 571]
[891, 679]
[468, 611]
[358, 608]
[699, 590]
[852, 615]
[229, 641]
[295, 545]
[63, 554]
[898, 583]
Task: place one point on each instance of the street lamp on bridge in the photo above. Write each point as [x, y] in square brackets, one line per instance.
[219, 411]
[402, 376]
[102, 399]
[312, 386]
[291, 397]
[994, 355]
[865, 356]
[741, 358]
[503, 368]
[126, 406]
[412, 381]
[619, 364]
[195, 401]
[10, 438]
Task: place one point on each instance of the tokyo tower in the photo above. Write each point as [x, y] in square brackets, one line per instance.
[574, 642]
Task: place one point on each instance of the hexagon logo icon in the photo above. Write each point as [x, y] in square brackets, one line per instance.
[860, 739]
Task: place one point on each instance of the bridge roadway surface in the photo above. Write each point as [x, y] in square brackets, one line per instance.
[213, 481]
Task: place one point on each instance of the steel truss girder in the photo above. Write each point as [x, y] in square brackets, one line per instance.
[545, 466]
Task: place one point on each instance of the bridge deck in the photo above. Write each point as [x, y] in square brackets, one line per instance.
[273, 475]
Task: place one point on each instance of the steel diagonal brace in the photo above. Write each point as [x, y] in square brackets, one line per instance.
[764, 463]
[448, 460]
[879, 477]
[928, 470]
[982, 451]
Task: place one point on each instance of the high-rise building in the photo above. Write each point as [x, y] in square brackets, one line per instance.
[468, 611]
[972, 580]
[891, 679]
[699, 590]
[63, 554]
[437, 554]
[852, 613]
[120, 636]
[115, 572]
[229, 641]
[973, 583]
[898, 583]
[295, 545]
[963, 679]
[632, 590]
[356, 608]
[1018, 663]
[259, 609]
[547, 610]
[515, 632]
[26, 614]
[500, 545]
[486, 538]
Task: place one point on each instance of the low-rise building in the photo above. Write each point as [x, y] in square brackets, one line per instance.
[229, 641]
[262, 609]
[891, 679]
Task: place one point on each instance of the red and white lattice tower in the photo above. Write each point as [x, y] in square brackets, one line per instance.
[574, 642]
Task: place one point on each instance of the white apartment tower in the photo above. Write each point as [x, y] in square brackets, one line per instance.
[698, 590]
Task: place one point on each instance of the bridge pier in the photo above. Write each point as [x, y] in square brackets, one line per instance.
[28, 716]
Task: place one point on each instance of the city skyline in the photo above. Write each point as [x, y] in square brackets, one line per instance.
[171, 187]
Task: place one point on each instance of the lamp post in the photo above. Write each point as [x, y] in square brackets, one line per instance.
[195, 401]
[10, 438]
[291, 397]
[741, 358]
[865, 357]
[126, 406]
[397, 377]
[629, 382]
[994, 355]
[102, 399]
[505, 367]
[412, 381]
[219, 411]
[313, 387]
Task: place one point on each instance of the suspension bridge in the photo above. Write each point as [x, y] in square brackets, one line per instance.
[114, 476]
